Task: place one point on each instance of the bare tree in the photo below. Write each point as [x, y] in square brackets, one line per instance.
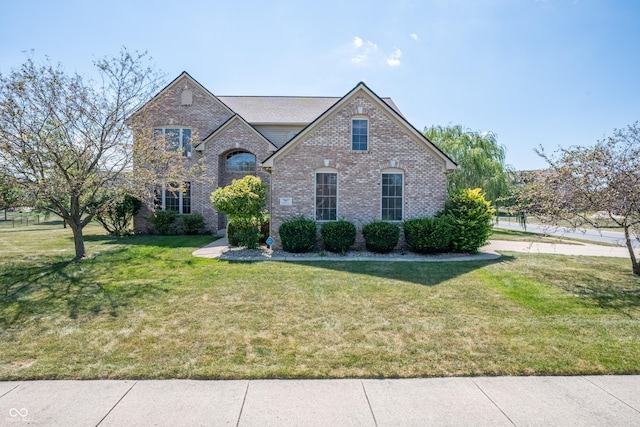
[597, 186]
[68, 141]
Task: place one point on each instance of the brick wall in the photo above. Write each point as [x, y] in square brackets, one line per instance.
[391, 145]
[203, 116]
[236, 136]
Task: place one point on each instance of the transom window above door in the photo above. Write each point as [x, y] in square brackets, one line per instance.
[241, 161]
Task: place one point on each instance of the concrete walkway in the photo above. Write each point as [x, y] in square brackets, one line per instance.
[557, 248]
[490, 401]
[220, 249]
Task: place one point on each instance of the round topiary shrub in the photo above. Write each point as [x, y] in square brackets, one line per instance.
[338, 236]
[380, 236]
[428, 235]
[298, 234]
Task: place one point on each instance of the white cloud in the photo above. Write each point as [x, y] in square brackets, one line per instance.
[362, 51]
[367, 53]
[414, 36]
[394, 59]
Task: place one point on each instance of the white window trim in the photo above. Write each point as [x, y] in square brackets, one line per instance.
[315, 193]
[184, 153]
[239, 151]
[359, 117]
[399, 172]
[163, 202]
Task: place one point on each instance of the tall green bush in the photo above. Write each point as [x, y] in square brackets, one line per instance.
[338, 236]
[162, 221]
[298, 235]
[243, 202]
[189, 224]
[117, 216]
[381, 236]
[428, 235]
[470, 216]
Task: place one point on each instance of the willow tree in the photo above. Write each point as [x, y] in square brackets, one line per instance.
[480, 159]
[597, 186]
[66, 141]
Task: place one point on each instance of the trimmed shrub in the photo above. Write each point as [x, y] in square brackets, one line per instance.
[338, 236]
[298, 235]
[189, 224]
[428, 235]
[117, 216]
[381, 236]
[244, 233]
[162, 221]
[470, 216]
[264, 228]
[232, 229]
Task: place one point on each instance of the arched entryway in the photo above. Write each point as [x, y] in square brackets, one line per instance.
[234, 164]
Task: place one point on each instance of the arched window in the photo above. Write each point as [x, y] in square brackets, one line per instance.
[241, 161]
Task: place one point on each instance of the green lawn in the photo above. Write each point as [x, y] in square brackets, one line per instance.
[143, 307]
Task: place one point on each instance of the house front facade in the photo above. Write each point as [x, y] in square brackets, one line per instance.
[353, 157]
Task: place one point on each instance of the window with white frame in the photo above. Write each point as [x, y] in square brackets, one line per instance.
[178, 139]
[241, 161]
[174, 199]
[392, 196]
[359, 134]
[326, 196]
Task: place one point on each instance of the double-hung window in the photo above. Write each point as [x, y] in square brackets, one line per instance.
[359, 134]
[326, 196]
[392, 196]
[178, 139]
[174, 199]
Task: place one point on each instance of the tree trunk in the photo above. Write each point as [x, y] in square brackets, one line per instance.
[634, 262]
[76, 225]
[78, 241]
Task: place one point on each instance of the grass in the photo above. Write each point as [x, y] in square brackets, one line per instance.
[143, 307]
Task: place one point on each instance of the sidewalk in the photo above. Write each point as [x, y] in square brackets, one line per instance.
[220, 249]
[491, 401]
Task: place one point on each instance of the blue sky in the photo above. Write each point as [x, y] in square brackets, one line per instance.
[535, 72]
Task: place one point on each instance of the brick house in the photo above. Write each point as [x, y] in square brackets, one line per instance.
[354, 157]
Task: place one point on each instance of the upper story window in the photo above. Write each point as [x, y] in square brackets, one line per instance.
[241, 161]
[177, 139]
[359, 134]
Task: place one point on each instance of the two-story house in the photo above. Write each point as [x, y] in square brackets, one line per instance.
[353, 157]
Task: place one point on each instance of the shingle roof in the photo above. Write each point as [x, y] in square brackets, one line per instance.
[283, 109]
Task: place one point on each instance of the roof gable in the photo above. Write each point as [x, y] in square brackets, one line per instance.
[393, 113]
[178, 80]
[235, 118]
